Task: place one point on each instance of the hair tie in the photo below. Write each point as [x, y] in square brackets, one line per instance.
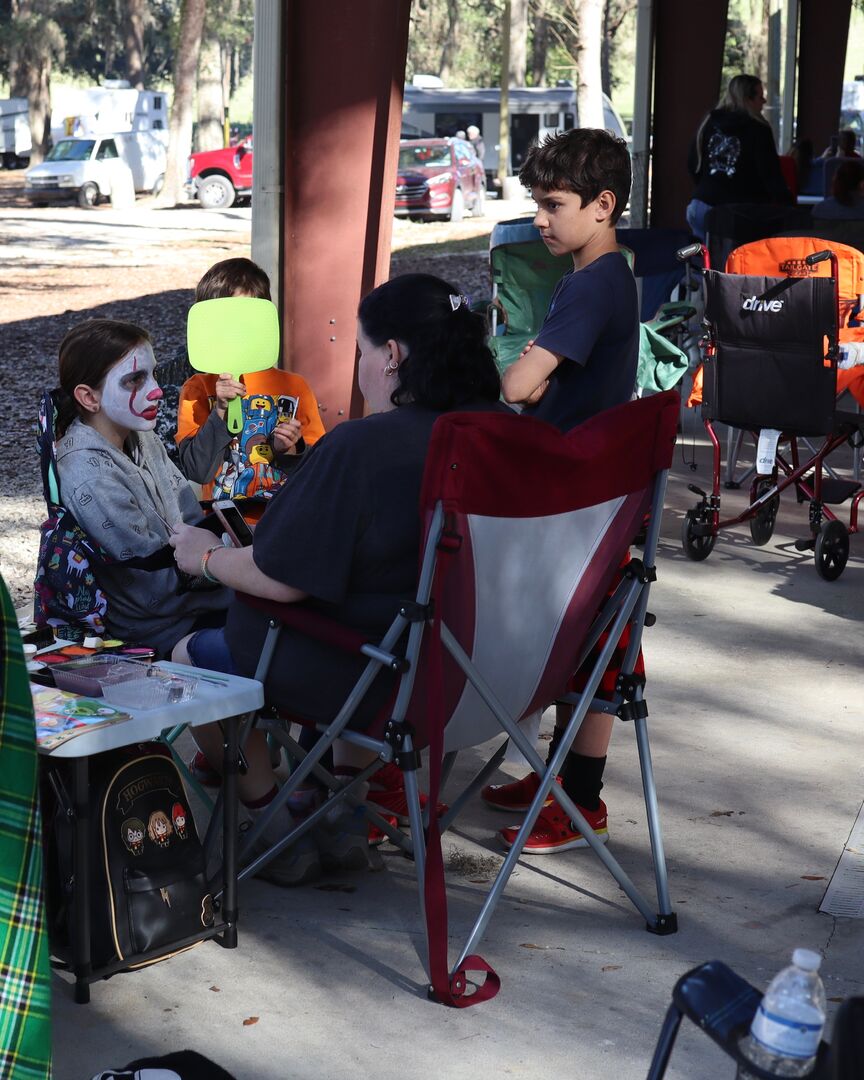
[457, 300]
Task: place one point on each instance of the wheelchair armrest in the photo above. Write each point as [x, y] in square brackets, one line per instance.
[310, 622]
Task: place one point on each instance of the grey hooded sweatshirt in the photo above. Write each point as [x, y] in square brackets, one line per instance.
[117, 499]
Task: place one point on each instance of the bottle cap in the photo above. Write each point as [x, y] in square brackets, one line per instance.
[806, 959]
[92, 643]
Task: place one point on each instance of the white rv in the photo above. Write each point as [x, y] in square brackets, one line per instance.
[534, 112]
[14, 132]
[82, 111]
[84, 169]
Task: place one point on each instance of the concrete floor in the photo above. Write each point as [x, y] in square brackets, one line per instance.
[754, 694]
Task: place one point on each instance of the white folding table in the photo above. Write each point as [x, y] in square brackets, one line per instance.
[217, 697]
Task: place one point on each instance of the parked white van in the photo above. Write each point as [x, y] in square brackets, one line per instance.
[82, 168]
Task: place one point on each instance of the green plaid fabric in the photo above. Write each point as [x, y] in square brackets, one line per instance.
[25, 989]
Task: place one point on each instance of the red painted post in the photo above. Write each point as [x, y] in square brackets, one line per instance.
[345, 69]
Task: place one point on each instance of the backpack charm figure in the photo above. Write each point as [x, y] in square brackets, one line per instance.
[159, 828]
[178, 818]
[132, 832]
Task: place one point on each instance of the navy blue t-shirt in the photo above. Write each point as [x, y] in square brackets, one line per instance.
[593, 322]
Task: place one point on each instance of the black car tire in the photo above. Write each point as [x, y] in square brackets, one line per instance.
[216, 192]
[457, 206]
[88, 196]
[479, 208]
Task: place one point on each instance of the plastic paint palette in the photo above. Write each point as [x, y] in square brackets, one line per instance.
[236, 335]
[132, 685]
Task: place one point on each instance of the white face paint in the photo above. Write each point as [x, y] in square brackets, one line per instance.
[131, 395]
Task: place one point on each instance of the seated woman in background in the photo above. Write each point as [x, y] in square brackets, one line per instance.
[119, 484]
[733, 158]
[343, 535]
[846, 201]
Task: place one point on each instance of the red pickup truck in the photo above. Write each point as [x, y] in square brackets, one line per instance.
[217, 178]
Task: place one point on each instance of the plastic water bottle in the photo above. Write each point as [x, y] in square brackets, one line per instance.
[785, 1033]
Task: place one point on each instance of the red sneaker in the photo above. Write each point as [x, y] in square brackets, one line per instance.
[516, 796]
[378, 836]
[201, 769]
[388, 794]
[554, 831]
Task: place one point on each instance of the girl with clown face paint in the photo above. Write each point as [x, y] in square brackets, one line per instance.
[120, 485]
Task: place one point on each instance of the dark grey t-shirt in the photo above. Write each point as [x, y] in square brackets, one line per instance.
[592, 321]
[345, 529]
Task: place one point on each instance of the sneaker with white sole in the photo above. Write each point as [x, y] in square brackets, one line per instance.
[554, 831]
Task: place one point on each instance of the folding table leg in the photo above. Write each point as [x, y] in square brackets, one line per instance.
[230, 766]
[81, 960]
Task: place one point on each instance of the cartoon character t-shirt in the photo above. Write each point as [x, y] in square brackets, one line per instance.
[232, 466]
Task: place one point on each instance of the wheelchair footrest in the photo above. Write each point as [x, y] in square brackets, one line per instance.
[834, 490]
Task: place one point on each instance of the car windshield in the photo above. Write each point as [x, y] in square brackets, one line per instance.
[71, 150]
[435, 157]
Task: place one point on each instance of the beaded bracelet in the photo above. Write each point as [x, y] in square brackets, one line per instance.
[205, 558]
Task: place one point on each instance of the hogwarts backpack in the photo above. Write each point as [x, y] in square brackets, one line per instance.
[148, 884]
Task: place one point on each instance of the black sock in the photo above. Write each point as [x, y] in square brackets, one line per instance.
[582, 779]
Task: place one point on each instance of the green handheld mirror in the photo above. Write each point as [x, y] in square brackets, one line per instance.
[236, 335]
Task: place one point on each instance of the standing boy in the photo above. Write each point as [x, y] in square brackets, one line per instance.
[582, 361]
[280, 413]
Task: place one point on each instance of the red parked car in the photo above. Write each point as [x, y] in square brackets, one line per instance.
[217, 178]
[439, 178]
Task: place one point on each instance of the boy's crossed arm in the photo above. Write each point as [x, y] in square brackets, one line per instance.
[526, 380]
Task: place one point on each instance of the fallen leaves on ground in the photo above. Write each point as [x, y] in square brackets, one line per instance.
[250, 1020]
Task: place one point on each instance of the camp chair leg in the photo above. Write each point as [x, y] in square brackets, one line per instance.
[663, 1049]
[665, 922]
[468, 794]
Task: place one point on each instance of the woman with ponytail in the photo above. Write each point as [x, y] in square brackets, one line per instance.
[119, 484]
[343, 535]
[733, 158]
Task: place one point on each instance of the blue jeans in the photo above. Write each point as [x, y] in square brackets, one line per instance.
[209, 649]
[696, 211]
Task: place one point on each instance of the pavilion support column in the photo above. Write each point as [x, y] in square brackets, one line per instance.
[344, 74]
[688, 63]
[821, 59]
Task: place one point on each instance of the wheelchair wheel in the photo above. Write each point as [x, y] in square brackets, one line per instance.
[832, 550]
[696, 547]
[763, 521]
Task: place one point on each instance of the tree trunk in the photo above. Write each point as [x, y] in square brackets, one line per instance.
[134, 12]
[518, 42]
[539, 46]
[211, 115]
[606, 53]
[180, 132]
[589, 98]
[448, 49]
[30, 72]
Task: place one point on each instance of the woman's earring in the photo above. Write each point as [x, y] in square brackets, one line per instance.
[390, 368]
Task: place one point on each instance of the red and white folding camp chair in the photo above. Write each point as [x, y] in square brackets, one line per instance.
[525, 530]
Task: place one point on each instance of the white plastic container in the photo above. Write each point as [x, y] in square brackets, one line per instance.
[785, 1033]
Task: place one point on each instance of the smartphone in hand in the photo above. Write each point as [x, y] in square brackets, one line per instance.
[232, 522]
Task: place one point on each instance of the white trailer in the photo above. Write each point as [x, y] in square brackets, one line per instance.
[83, 111]
[14, 132]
